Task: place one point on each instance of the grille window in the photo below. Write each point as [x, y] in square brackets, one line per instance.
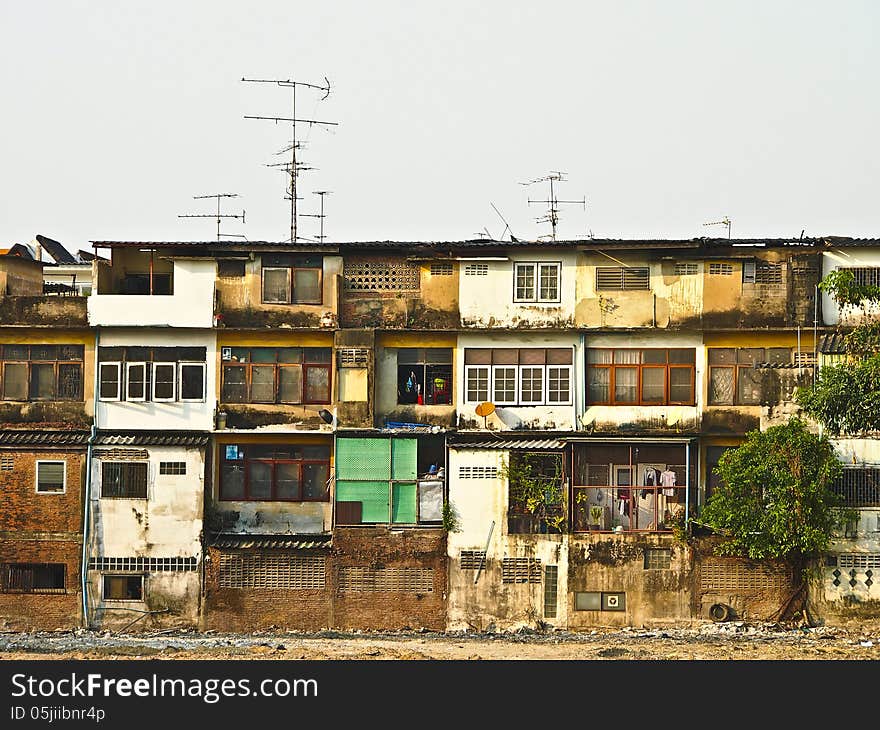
[150, 565]
[477, 472]
[472, 559]
[866, 276]
[521, 570]
[719, 575]
[169, 468]
[658, 558]
[616, 278]
[283, 571]
[6, 463]
[476, 269]
[718, 269]
[352, 357]
[32, 577]
[124, 479]
[441, 269]
[859, 560]
[859, 487]
[388, 580]
[551, 580]
[381, 276]
[685, 269]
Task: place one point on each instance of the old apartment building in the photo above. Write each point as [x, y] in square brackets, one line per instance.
[238, 435]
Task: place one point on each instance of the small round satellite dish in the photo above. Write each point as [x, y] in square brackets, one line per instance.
[484, 409]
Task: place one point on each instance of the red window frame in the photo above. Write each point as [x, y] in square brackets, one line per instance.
[641, 366]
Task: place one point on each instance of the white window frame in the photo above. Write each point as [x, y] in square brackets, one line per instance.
[467, 371]
[537, 267]
[496, 368]
[203, 366]
[534, 267]
[558, 267]
[128, 366]
[547, 400]
[155, 368]
[519, 393]
[118, 366]
[37, 475]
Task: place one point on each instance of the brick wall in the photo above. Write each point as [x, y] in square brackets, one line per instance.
[42, 611]
[380, 548]
[22, 509]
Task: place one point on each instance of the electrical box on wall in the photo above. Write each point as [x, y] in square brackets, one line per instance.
[614, 601]
[599, 601]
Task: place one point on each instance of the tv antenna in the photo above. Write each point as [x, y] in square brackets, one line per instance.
[723, 222]
[553, 202]
[506, 225]
[293, 168]
[218, 215]
[320, 216]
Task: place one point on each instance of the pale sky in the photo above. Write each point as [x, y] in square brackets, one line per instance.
[664, 115]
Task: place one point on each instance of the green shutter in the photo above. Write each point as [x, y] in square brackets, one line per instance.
[403, 505]
[403, 458]
[372, 495]
[358, 458]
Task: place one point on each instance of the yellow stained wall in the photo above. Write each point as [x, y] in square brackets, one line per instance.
[439, 292]
[416, 339]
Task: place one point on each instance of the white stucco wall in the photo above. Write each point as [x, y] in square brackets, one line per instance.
[846, 258]
[478, 502]
[174, 415]
[556, 417]
[191, 305]
[487, 301]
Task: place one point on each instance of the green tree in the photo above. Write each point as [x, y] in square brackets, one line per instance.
[535, 487]
[775, 500]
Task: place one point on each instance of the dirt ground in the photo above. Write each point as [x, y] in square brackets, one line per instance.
[736, 640]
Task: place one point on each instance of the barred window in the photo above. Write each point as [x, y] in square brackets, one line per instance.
[168, 468]
[617, 278]
[733, 378]
[521, 570]
[688, 269]
[472, 559]
[381, 276]
[441, 268]
[124, 479]
[33, 577]
[720, 269]
[858, 486]
[865, 275]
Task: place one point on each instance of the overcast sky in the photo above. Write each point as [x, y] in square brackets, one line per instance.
[664, 115]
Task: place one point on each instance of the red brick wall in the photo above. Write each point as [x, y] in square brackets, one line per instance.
[42, 611]
[21, 508]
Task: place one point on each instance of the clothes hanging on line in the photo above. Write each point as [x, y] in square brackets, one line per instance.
[667, 480]
[651, 478]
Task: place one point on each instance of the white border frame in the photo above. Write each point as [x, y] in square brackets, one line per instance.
[156, 366]
[118, 366]
[37, 475]
[128, 366]
[204, 368]
[467, 369]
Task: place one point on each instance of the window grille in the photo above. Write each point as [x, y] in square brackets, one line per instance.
[172, 468]
[352, 357]
[476, 269]
[551, 581]
[859, 560]
[718, 575]
[658, 558]
[521, 570]
[389, 580]
[381, 276]
[858, 486]
[283, 570]
[124, 479]
[717, 269]
[616, 278]
[866, 276]
[477, 472]
[768, 273]
[472, 559]
[32, 578]
[6, 463]
[441, 269]
[150, 565]
[685, 269]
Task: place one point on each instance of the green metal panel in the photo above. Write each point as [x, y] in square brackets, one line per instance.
[403, 458]
[403, 504]
[358, 458]
[372, 495]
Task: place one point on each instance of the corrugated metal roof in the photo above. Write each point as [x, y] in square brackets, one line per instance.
[846, 242]
[22, 437]
[271, 542]
[832, 343]
[512, 445]
[152, 438]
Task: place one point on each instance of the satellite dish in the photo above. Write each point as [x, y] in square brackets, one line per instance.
[484, 409]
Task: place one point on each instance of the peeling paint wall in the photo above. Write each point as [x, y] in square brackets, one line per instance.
[487, 300]
[19, 277]
[43, 311]
[167, 524]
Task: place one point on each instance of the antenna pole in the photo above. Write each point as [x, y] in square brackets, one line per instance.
[294, 166]
[218, 215]
[552, 216]
[320, 216]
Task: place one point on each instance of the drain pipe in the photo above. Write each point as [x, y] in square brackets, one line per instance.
[87, 497]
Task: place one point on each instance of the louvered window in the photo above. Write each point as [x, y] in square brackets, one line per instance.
[521, 570]
[617, 278]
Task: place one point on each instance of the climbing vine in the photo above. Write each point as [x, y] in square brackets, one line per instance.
[536, 487]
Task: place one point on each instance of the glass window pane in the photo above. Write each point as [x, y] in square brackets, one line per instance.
[548, 288]
[315, 477]
[722, 356]
[317, 355]
[163, 379]
[438, 384]
[192, 382]
[720, 386]
[259, 480]
[287, 481]
[50, 476]
[70, 381]
[627, 357]
[136, 387]
[748, 386]
[232, 481]
[44, 352]
[480, 356]
[626, 385]
[749, 355]
[438, 355]
[234, 384]
[290, 354]
[109, 374]
[558, 384]
[532, 385]
[504, 388]
[653, 385]
[262, 384]
[654, 357]
[263, 354]
[42, 385]
[276, 285]
[307, 286]
[598, 382]
[15, 352]
[599, 357]
[15, 381]
[290, 384]
[525, 281]
[681, 385]
[241, 354]
[477, 384]
[683, 356]
[505, 356]
[317, 384]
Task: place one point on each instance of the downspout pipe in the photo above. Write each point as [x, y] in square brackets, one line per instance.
[87, 496]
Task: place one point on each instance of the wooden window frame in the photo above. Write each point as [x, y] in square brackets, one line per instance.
[291, 295]
[8, 567]
[639, 401]
[736, 367]
[245, 464]
[63, 489]
[304, 365]
[56, 364]
[536, 268]
[143, 396]
[128, 576]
